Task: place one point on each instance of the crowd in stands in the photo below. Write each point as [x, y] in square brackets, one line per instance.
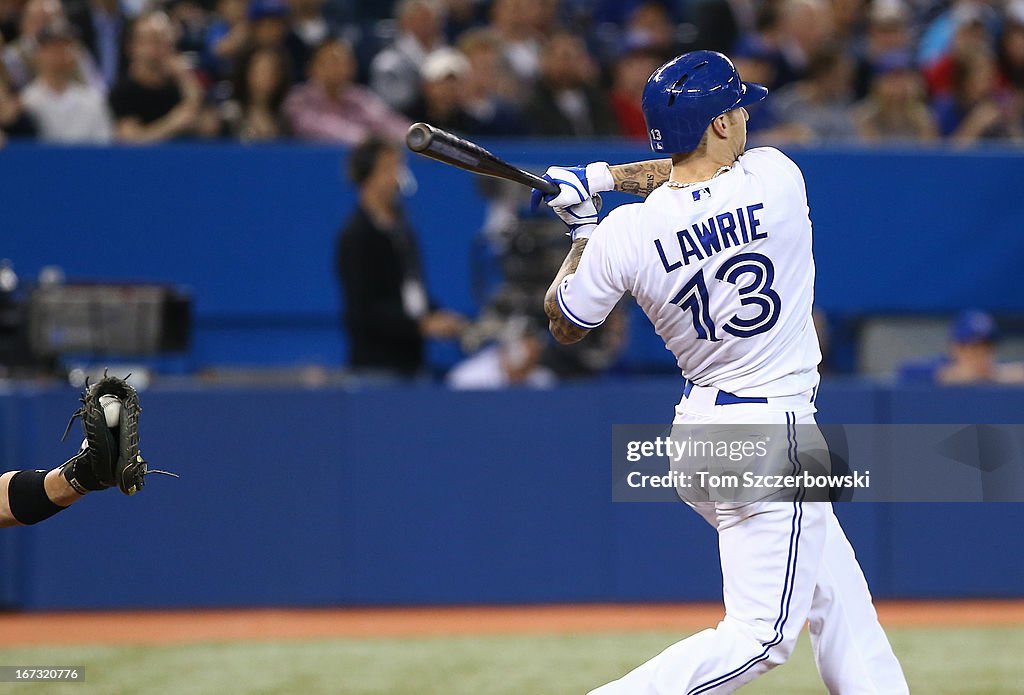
[138, 71]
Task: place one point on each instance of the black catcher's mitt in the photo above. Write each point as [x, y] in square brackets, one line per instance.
[110, 454]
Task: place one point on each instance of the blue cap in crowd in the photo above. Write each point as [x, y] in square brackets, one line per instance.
[267, 9]
[894, 61]
[973, 327]
[753, 47]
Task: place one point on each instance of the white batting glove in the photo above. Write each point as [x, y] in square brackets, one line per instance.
[576, 184]
[581, 218]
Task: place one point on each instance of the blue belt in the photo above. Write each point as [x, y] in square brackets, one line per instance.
[724, 398]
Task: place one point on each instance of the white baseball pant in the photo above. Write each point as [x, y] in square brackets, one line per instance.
[784, 564]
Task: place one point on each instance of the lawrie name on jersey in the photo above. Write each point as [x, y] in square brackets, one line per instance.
[722, 231]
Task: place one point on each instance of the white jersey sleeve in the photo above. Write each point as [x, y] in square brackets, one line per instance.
[606, 271]
[775, 160]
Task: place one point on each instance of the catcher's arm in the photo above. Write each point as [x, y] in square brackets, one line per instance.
[6, 517]
[28, 497]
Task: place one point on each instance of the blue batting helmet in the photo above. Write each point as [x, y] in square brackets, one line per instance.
[684, 95]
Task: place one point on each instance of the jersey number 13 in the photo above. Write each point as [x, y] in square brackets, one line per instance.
[757, 292]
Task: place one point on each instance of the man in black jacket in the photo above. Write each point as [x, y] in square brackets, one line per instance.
[565, 100]
[388, 314]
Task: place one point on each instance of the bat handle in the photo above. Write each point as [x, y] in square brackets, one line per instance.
[546, 187]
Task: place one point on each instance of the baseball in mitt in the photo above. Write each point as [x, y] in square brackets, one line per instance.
[109, 456]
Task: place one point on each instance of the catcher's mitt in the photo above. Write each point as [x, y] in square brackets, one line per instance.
[110, 453]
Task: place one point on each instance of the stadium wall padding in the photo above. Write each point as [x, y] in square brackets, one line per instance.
[250, 230]
[421, 495]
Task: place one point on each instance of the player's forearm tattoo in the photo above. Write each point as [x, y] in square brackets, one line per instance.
[641, 178]
[561, 328]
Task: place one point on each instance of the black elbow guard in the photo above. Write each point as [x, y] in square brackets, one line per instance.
[27, 496]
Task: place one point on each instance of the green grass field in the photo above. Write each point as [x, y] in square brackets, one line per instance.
[960, 661]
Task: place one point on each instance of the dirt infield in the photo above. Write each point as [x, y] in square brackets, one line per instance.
[163, 627]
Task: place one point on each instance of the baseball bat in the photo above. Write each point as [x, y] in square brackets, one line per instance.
[441, 145]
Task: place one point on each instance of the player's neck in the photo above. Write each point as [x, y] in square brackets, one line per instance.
[699, 168]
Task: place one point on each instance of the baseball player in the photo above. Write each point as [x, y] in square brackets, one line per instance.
[719, 258]
[109, 457]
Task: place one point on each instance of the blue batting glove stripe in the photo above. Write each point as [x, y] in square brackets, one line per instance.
[579, 217]
[581, 173]
[573, 187]
[537, 195]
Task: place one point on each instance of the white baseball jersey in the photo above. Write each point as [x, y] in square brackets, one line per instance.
[724, 271]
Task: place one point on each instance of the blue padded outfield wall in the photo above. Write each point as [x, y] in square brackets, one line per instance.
[421, 495]
[417, 494]
[251, 231]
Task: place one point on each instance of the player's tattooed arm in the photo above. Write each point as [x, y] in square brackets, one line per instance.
[563, 330]
[641, 178]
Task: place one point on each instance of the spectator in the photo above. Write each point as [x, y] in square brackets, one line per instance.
[13, 120]
[978, 107]
[887, 33]
[158, 98]
[395, 71]
[514, 361]
[718, 23]
[329, 107]
[756, 62]
[520, 41]
[260, 88]
[101, 24]
[1011, 50]
[767, 40]
[190, 21]
[387, 313]
[806, 28]
[10, 11]
[308, 30]
[848, 19]
[970, 358]
[542, 16]
[821, 102]
[365, 12]
[268, 24]
[940, 34]
[488, 85]
[269, 28]
[650, 28]
[19, 57]
[227, 38]
[19, 54]
[897, 108]
[565, 103]
[629, 77]
[445, 73]
[971, 38]
[612, 11]
[461, 16]
[63, 109]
